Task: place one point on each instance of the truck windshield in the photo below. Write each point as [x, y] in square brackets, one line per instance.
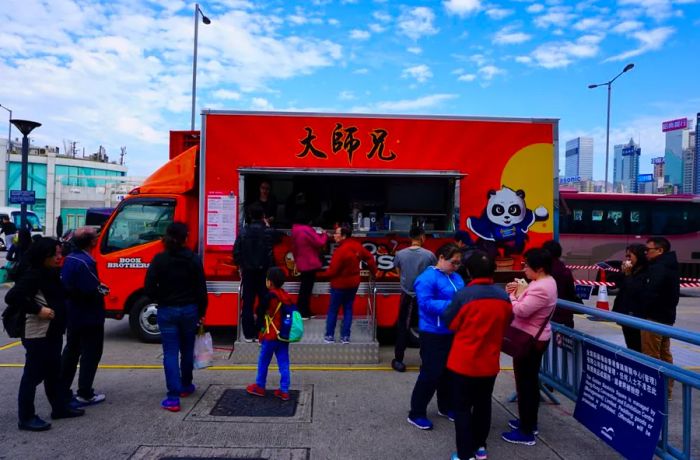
[138, 222]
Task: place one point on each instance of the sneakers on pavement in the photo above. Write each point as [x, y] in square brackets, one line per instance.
[255, 390]
[34, 424]
[398, 366]
[518, 437]
[187, 390]
[515, 425]
[171, 404]
[481, 454]
[96, 399]
[283, 395]
[328, 339]
[422, 423]
[450, 415]
[345, 340]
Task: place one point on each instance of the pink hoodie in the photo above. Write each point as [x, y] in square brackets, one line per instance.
[306, 247]
[534, 306]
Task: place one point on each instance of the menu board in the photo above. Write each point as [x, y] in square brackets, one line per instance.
[221, 219]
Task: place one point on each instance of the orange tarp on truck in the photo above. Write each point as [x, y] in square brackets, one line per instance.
[175, 176]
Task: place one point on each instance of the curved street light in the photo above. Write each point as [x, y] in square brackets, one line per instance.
[197, 13]
[627, 68]
[25, 127]
[9, 130]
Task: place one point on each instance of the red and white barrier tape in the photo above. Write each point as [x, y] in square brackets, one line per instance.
[691, 280]
[690, 285]
[591, 267]
[594, 283]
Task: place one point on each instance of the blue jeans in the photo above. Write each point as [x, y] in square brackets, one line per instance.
[178, 326]
[344, 297]
[281, 351]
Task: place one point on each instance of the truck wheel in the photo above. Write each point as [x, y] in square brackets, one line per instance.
[143, 322]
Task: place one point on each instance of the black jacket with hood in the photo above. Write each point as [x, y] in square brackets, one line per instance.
[663, 288]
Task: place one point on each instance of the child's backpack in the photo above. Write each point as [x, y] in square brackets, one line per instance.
[291, 323]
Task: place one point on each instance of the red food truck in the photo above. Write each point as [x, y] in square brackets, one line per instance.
[493, 177]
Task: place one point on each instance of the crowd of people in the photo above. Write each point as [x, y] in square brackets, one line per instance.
[462, 318]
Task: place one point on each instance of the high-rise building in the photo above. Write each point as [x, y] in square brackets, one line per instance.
[626, 167]
[677, 140]
[579, 158]
[658, 163]
[689, 164]
[696, 188]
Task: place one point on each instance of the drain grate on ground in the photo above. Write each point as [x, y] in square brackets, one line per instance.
[231, 404]
[238, 403]
[218, 453]
[211, 458]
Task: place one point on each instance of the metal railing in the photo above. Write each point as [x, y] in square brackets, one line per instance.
[562, 367]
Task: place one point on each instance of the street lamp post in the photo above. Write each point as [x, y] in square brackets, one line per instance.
[627, 68]
[205, 20]
[25, 127]
[9, 130]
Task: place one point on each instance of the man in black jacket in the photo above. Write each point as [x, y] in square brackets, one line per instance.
[252, 253]
[664, 292]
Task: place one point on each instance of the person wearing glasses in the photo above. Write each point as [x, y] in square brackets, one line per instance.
[663, 292]
[435, 288]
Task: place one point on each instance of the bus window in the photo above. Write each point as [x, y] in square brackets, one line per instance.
[615, 224]
[138, 222]
[638, 220]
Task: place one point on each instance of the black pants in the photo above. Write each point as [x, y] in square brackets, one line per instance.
[407, 305]
[84, 344]
[42, 364]
[253, 284]
[527, 384]
[306, 286]
[434, 349]
[471, 401]
[633, 338]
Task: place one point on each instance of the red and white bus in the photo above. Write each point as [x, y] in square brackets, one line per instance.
[597, 227]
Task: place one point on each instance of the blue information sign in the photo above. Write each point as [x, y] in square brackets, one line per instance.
[22, 197]
[643, 178]
[621, 401]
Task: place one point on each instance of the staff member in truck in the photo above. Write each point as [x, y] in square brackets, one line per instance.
[252, 252]
[344, 273]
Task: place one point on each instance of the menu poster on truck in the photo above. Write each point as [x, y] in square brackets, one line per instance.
[221, 219]
[621, 401]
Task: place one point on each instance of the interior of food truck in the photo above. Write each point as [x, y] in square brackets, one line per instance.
[370, 202]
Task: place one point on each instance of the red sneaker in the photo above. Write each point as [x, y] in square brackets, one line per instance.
[283, 395]
[255, 390]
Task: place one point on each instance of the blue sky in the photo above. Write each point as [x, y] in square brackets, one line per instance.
[119, 73]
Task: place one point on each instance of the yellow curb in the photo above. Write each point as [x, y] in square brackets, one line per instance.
[10, 345]
[249, 367]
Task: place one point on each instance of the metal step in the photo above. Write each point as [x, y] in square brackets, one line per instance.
[362, 349]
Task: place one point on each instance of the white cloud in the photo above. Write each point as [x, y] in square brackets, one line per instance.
[467, 77]
[259, 103]
[346, 96]
[556, 16]
[421, 103]
[591, 24]
[421, 73]
[523, 59]
[650, 40]
[333, 22]
[357, 34]
[509, 36]
[362, 71]
[381, 16]
[417, 22]
[498, 13]
[377, 28]
[627, 26]
[490, 71]
[655, 9]
[535, 8]
[226, 94]
[560, 54]
[462, 7]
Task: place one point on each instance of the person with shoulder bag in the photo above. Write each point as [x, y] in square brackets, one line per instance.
[175, 281]
[40, 296]
[532, 311]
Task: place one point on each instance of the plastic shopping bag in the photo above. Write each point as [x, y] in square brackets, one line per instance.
[203, 350]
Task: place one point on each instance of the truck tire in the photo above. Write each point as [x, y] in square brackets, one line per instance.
[142, 320]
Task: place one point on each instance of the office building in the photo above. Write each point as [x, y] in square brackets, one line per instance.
[677, 141]
[579, 158]
[626, 167]
[689, 164]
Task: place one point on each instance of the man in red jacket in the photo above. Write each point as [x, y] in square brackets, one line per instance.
[344, 273]
[479, 315]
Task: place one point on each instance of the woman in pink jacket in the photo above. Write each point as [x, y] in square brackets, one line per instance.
[307, 244]
[531, 310]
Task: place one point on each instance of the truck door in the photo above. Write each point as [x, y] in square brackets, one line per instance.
[127, 245]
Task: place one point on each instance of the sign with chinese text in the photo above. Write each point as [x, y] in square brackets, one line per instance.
[22, 197]
[221, 219]
[621, 401]
[658, 161]
[672, 125]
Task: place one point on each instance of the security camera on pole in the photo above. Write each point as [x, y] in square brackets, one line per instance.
[23, 198]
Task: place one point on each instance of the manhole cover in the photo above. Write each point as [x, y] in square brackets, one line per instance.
[238, 403]
[211, 458]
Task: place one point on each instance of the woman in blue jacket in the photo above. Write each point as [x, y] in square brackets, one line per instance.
[434, 288]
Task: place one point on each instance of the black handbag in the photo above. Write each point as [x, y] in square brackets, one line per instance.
[13, 319]
[518, 343]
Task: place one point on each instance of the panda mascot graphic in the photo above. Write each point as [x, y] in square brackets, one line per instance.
[505, 221]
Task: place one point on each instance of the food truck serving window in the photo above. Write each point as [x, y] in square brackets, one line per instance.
[138, 222]
[389, 202]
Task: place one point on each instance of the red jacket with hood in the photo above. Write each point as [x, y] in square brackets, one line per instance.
[344, 270]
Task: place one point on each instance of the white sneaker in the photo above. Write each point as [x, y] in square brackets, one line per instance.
[96, 399]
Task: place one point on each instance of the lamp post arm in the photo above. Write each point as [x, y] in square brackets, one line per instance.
[194, 64]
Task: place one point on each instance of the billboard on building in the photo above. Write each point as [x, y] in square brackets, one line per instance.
[672, 125]
[630, 150]
[658, 160]
[643, 178]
